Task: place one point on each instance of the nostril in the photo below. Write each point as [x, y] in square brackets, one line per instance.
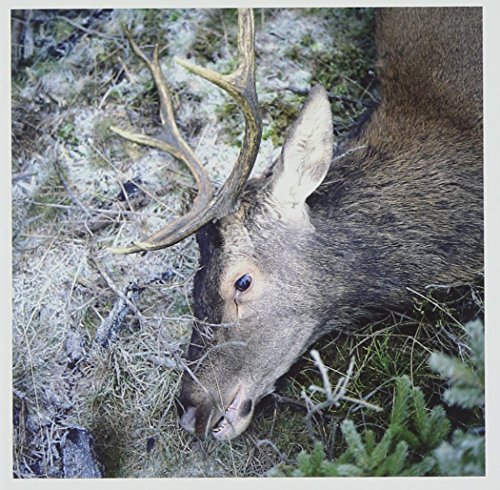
[188, 420]
[246, 408]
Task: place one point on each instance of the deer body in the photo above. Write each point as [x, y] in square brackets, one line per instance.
[400, 207]
[338, 233]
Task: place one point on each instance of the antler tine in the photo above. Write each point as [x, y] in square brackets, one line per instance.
[172, 143]
[240, 84]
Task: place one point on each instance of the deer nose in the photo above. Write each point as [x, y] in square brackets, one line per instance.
[186, 411]
[194, 411]
[188, 420]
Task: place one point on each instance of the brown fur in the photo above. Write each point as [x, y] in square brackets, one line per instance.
[400, 207]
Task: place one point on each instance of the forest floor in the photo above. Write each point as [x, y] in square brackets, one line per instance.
[77, 188]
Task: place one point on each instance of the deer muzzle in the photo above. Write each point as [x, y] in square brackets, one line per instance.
[208, 418]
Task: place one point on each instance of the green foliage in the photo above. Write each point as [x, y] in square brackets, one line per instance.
[403, 449]
[464, 455]
[314, 464]
[344, 70]
[411, 420]
[416, 441]
[154, 29]
[284, 114]
[174, 15]
[67, 133]
[62, 30]
[466, 379]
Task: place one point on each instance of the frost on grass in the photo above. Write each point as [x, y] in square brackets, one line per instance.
[78, 188]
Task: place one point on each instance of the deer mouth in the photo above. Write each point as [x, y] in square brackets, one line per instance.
[235, 419]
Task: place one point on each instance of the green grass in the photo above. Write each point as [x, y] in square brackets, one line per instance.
[383, 353]
[417, 435]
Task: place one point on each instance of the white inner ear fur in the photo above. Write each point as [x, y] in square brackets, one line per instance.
[307, 152]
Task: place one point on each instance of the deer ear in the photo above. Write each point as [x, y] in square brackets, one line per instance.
[307, 152]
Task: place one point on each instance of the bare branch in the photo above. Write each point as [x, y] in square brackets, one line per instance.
[333, 397]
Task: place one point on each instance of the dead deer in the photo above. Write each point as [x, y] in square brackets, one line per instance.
[337, 232]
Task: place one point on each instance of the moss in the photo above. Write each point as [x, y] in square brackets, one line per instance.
[107, 146]
[229, 113]
[101, 133]
[281, 114]
[61, 30]
[67, 133]
[38, 70]
[148, 96]
[174, 15]
[210, 40]
[153, 31]
[20, 80]
[91, 91]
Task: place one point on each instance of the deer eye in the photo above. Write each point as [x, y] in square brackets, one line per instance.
[243, 283]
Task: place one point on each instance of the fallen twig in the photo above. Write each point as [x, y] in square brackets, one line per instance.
[87, 30]
[112, 324]
[266, 442]
[67, 187]
[333, 397]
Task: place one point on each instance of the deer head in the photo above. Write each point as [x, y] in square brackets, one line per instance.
[312, 246]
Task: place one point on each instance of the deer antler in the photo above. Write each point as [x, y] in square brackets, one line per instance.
[240, 84]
